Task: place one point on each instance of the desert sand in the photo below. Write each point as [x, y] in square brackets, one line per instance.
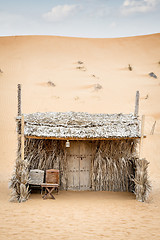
[34, 61]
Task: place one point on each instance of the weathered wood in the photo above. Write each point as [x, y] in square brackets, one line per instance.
[142, 136]
[49, 185]
[81, 139]
[153, 128]
[19, 110]
[19, 99]
[136, 104]
[22, 137]
[79, 166]
[85, 165]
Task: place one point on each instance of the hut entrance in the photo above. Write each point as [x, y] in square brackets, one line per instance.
[79, 157]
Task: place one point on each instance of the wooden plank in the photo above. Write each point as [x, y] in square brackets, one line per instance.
[136, 104]
[81, 139]
[49, 185]
[142, 137]
[22, 137]
[85, 165]
[73, 166]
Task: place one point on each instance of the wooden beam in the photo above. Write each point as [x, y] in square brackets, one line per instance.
[136, 104]
[142, 137]
[81, 139]
[22, 138]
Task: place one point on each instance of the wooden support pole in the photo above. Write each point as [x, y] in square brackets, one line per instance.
[142, 136]
[19, 99]
[153, 127]
[19, 109]
[22, 138]
[136, 104]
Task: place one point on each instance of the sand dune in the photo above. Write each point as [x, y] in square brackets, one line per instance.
[34, 61]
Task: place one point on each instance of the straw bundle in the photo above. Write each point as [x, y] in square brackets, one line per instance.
[142, 185]
[19, 180]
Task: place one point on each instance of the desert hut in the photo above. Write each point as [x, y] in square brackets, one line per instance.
[102, 155]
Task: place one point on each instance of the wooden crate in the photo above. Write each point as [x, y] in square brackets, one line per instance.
[52, 176]
[36, 177]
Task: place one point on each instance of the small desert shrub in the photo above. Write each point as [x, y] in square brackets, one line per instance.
[147, 96]
[130, 67]
[51, 84]
[80, 62]
[76, 98]
[97, 87]
[81, 68]
[151, 74]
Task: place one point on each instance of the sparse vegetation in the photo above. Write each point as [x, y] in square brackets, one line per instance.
[147, 96]
[80, 62]
[51, 84]
[151, 74]
[130, 67]
[97, 87]
[76, 98]
[81, 68]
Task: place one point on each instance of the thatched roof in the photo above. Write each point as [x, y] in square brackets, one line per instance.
[78, 125]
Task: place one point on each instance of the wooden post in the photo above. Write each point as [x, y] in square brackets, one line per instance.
[19, 111]
[19, 99]
[153, 127]
[22, 138]
[142, 136]
[136, 104]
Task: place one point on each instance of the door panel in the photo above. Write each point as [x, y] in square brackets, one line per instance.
[73, 173]
[79, 158]
[73, 166]
[85, 165]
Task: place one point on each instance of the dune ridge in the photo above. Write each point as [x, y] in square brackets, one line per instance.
[34, 61]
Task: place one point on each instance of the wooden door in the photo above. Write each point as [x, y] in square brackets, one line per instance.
[79, 159]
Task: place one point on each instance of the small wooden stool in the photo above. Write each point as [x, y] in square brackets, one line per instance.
[49, 187]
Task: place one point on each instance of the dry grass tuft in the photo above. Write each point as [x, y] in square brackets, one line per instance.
[97, 87]
[51, 84]
[152, 74]
[82, 68]
[80, 62]
[130, 67]
[142, 185]
[19, 181]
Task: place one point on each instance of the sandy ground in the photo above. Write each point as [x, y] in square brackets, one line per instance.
[35, 60]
